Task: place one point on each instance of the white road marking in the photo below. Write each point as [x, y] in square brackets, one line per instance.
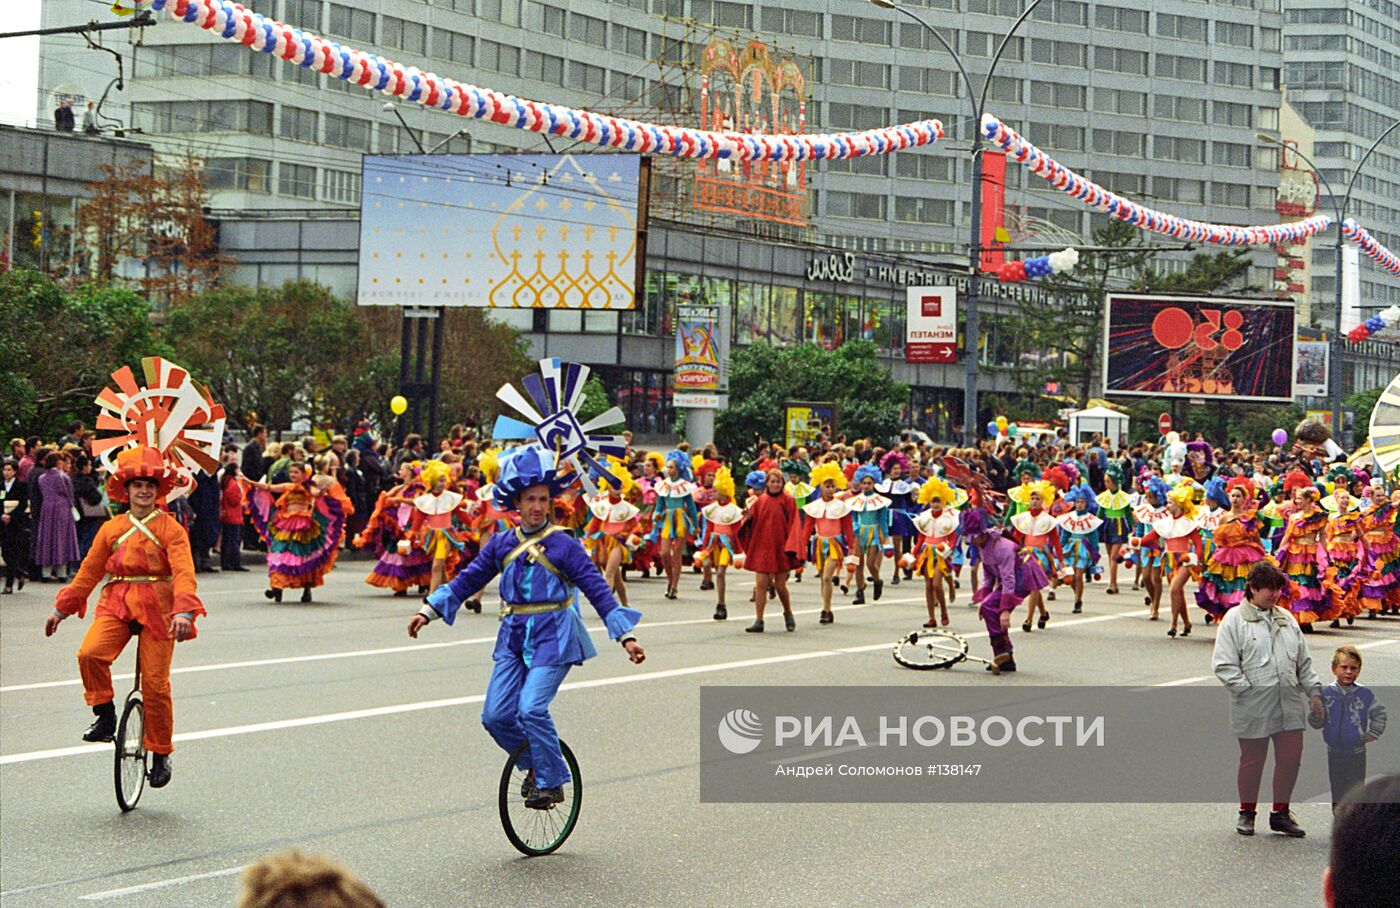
[389, 650]
[1181, 682]
[373, 712]
[160, 884]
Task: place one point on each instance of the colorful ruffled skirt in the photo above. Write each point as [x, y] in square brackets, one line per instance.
[826, 548]
[399, 572]
[1306, 598]
[867, 536]
[604, 544]
[721, 550]
[1341, 581]
[673, 524]
[302, 548]
[1078, 554]
[1380, 588]
[1224, 579]
[929, 562]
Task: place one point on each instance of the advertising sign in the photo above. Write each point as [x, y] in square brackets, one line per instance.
[697, 350]
[931, 325]
[804, 421]
[1198, 348]
[503, 231]
[1310, 380]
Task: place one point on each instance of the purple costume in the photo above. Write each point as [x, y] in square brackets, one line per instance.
[1007, 578]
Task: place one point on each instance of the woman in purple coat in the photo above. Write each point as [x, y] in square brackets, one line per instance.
[55, 532]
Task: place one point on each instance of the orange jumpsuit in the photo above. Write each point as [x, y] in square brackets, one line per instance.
[152, 581]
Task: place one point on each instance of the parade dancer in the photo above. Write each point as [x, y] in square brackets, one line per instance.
[1344, 556]
[1152, 508]
[1213, 507]
[145, 554]
[675, 517]
[704, 496]
[1273, 517]
[898, 486]
[1026, 474]
[1062, 477]
[798, 473]
[1115, 509]
[302, 527]
[1008, 576]
[441, 518]
[1380, 573]
[490, 518]
[646, 557]
[830, 533]
[611, 532]
[1302, 553]
[720, 546]
[401, 564]
[937, 527]
[542, 570]
[1182, 552]
[1236, 549]
[1036, 532]
[1079, 538]
[871, 515]
[769, 539]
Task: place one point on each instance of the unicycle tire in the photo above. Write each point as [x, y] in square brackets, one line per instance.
[930, 649]
[129, 770]
[536, 832]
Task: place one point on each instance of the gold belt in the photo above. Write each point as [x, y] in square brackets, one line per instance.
[139, 579]
[533, 608]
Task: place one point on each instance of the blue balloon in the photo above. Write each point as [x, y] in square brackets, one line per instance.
[991, 428]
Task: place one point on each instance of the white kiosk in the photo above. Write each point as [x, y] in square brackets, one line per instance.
[1111, 424]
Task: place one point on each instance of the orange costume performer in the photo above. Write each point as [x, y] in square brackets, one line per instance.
[151, 581]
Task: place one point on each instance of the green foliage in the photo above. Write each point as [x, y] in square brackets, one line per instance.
[595, 402]
[57, 350]
[1218, 272]
[1362, 403]
[763, 378]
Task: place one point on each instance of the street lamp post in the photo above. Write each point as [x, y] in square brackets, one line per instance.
[977, 99]
[1334, 367]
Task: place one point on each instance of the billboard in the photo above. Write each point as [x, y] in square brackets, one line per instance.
[1310, 380]
[505, 231]
[931, 325]
[1197, 347]
[803, 421]
[697, 350]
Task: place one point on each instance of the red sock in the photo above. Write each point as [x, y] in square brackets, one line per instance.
[1249, 806]
[1280, 808]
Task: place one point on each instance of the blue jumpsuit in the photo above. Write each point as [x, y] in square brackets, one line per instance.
[534, 652]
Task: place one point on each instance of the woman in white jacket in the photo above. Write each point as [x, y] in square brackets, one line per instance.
[1262, 657]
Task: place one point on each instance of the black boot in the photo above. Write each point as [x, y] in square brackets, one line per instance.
[474, 605]
[1245, 824]
[879, 589]
[274, 595]
[160, 770]
[106, 724]
[306, 594]
[721, 613]
[755, 628]
[1282, 821]
[860, 598]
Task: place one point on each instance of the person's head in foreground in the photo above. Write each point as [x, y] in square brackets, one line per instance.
[1266, 582]
[1364, 868]
[292, 879]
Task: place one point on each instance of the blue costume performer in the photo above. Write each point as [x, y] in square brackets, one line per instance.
[872, 522]
[542, 568]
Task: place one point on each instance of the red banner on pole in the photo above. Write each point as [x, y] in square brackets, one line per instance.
[993, 208]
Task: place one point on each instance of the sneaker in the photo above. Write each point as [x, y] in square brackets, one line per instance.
[1245, 824]
[105, 726]
[545, 798]
[1281, 821]
[160, 771]
[721, 613]
[527, 786]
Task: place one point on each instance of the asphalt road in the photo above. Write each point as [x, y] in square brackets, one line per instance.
[323, 726]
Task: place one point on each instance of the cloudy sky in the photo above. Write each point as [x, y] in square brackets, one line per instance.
[19, 78]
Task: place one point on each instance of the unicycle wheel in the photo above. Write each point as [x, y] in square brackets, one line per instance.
[129, 770]
[532, 831]
[930, 649]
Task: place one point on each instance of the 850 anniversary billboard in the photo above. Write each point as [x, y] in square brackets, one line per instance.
[1217, 348]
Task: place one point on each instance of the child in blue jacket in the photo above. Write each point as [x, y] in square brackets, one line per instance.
[1351, 719]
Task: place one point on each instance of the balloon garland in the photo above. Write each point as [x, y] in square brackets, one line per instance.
[1095, 196]
[1372, 247]
[1038, 267]
[232, 22]
[1386, 318]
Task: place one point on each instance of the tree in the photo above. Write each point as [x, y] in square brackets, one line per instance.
[154, 219]
[1070, 326]
[1218, 272]
[58, 350]
[595, 402]
[1362, 403]
[763, 378]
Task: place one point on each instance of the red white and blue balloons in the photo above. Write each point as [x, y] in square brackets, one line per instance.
[1369, 245]
[1038, 267]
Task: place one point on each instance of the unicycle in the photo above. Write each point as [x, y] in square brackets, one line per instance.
[535, 832]
[129, 767]
[926, 650]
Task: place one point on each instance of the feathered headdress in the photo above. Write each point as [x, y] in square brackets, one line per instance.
[1297, 479]
[1082, 492]
[868, 471]
[898, 457]
[796, 467]
[489, 463]
[1115, 472]
[831, 471]
[1071, 469]
[1045, 490]
[1217, 492]
[1058, 477]
[615, 477]
[724, 482]
[1244, 484]
[1182, 497]
[705, 467]
[1341, 473]
[656, 460]
[1201, 451]
[934, 487]
[755, 479]
[1157, 489]
[1026, 467]
[682, 462]
[435, 470]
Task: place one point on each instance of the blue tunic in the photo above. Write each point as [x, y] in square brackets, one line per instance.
[548, 638]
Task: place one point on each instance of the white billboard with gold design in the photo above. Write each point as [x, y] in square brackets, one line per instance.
[503, 231]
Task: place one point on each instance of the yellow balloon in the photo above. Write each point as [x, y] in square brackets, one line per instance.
[398, 404]
[1001, 423]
